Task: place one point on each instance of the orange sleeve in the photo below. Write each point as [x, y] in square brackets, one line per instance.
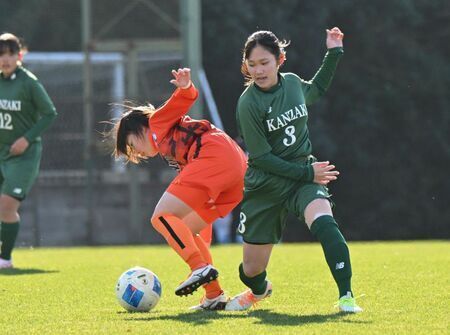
[172, 110]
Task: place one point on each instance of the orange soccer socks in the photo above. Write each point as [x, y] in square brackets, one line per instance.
[206, 235]
[180, 238]
[213, 288]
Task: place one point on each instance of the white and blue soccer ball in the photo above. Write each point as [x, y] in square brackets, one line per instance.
[138, 290]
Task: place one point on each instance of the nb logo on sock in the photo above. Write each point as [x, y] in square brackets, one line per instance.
[340, 265]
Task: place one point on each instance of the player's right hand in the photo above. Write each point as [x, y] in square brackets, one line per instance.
[324, 172]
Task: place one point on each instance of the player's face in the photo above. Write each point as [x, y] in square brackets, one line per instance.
[263, 67]
[142, 145]
[8, 63]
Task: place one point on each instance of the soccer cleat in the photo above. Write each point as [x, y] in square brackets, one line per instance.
[247, 299]
[347, 304]
[6, 264]
[196, 279]
[216, 304]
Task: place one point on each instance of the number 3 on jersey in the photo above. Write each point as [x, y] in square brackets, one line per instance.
[6, 121]
[290, 131]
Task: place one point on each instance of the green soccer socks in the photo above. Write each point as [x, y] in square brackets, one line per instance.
[257, 284]
[326, 230]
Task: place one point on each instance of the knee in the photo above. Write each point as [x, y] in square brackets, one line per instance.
[5, 209]
[316, 209]
[157, 220]
[8, 206]
[162, 221]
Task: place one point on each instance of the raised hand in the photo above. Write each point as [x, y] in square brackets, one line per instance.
[324, 172]
[334, 38]
[182, 78]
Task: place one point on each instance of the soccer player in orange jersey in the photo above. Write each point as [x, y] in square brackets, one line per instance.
[209, 185]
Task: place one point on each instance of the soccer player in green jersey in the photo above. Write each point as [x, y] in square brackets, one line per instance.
[282, 175]
[25, 112]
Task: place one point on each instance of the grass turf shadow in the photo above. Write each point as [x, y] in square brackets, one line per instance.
[24, 271]
[263, 316]
[279, 319]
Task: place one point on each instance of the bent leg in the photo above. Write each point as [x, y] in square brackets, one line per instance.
[320, 220]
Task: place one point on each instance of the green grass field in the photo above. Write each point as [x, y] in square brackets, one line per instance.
[71, 291]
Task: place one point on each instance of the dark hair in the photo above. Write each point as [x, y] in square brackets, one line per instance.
[268, 41]
[10, 43]
[134, 121]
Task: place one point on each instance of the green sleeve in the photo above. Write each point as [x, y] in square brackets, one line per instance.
[317, 86]
[44, 107]
[278, 166]
[251, 126]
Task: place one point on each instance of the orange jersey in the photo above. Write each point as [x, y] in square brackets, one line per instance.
[176, 136]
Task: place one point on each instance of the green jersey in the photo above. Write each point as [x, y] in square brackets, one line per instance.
[25, 108]
[275, 121]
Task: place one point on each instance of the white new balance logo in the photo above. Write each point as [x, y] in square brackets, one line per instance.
[340, 265]
[17, 190]
[319, 192]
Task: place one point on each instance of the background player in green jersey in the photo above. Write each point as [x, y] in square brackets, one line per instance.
[25, 112]
[282, 176]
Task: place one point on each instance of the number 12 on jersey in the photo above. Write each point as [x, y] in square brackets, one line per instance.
[5, 121]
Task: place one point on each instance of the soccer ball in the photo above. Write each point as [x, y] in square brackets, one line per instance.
[138, 289]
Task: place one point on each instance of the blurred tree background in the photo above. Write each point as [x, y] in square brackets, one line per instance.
[384, 122]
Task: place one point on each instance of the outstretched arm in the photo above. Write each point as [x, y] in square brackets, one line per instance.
[178, 104]
[322, 79]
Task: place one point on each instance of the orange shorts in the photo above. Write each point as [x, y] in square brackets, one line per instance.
[212, 184]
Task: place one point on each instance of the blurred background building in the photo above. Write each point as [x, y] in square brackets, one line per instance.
[384, 122]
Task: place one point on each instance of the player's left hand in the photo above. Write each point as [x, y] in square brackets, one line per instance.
[334, 38]
[182, 78]
[19, 146]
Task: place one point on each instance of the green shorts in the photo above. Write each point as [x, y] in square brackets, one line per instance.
[267, 201]
[18, 173]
